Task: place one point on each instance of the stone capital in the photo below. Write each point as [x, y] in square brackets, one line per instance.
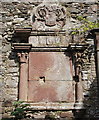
[23, 57]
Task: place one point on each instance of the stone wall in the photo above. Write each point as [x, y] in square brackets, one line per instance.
[17, 14]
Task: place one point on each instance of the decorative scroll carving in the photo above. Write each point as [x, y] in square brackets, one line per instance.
[51, 15]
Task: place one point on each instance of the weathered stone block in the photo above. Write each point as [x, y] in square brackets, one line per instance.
[6, 115]
[6, 48]
[68, 115]
[7, 104]
[12, 63]
[16, 79]
[11, 91]
[11, 83]
[13, 70]
[11, 97]
[92, 18]
[74, 10]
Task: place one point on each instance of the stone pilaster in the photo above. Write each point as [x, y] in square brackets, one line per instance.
[23, 52]
[23, 84]
[78, 82]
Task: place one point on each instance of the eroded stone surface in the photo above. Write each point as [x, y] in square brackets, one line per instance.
[51, 91]
[48, 17]
[51, 65]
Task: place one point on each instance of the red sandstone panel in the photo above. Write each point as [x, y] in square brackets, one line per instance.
[50, 91]
[50, 65]
[50, 77]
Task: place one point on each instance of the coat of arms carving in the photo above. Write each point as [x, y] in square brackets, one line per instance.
[50, 15]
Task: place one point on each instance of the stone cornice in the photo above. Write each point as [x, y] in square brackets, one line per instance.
[28, 47]
[30, 32]
[21, 46]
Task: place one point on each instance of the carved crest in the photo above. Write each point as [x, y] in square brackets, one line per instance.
[50, 15]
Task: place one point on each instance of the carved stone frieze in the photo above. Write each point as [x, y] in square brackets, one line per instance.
[49, 15]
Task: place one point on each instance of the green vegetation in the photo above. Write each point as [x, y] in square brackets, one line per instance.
[21, 110]
[86, 26]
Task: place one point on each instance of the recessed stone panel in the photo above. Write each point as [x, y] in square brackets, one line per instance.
[50, 77]
[50, 65]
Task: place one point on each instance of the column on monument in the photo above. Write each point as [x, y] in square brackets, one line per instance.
[78, 82]
[23, 83]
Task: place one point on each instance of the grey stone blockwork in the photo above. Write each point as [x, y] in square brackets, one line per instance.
[81, 1]
[17, 14]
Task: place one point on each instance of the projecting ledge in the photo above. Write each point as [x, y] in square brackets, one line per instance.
[71, 47]
[56, 106]
[21, 46]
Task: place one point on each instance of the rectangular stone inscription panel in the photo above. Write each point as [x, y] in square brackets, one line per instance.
[50, 77]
